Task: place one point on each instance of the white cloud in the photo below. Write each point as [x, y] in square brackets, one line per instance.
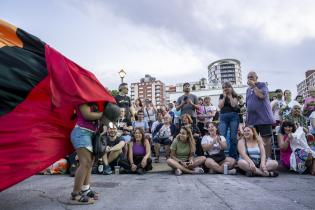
[283, 22]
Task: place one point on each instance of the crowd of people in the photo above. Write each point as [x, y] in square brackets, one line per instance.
[197, 137]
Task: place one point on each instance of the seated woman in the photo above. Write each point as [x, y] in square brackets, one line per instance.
[303, 157]
[252, 155]
[163, 134]
[284, 138]
[182, 154]
[188, 122]
[214, 145]
[139, 153]
[140, 122]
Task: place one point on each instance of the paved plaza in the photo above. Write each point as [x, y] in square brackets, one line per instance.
[163, 190]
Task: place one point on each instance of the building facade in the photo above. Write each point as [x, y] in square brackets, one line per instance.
[149, 88]
[302, 87]
[225, 70]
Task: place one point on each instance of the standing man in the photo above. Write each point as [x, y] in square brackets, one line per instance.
[259, 112]
[123, 101]
[276, 106]
[187, 103]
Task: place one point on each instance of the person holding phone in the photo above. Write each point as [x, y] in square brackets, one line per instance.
[259, 113]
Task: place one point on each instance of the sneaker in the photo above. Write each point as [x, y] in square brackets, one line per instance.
[198, 170]
[232, 171]
[100, 169]
[107, 170]
[178, 172]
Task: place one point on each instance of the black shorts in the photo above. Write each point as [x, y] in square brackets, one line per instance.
[163, 141]
[264, 130]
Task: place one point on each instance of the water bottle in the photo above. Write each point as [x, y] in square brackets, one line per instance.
[226, 169]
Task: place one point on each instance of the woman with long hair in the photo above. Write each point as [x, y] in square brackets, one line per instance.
[139, 153]
[213, 145]
[229, 116]
[182, 158]
[253, 157]
[284, 137]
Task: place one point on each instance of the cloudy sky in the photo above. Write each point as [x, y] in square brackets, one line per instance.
[175, 40]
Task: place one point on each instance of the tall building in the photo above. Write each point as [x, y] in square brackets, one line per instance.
[225, 70]
[302, 87]
[149, 88]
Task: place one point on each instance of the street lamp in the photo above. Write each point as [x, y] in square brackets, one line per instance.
[122, 74]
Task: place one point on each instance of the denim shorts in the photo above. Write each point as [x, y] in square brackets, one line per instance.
[82, 138]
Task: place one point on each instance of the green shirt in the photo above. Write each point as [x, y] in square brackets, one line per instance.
[182, 150]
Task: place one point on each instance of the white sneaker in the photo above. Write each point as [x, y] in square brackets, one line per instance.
[232, 171]
[198, 170]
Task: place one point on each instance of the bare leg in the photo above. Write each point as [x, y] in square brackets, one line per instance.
[175, 165]
[211, 164]
[245, 167]
[157, 147]
[167, 151]
[271, 165]
[85, 158]
[198, 161]
[267, 144]
[113, 155]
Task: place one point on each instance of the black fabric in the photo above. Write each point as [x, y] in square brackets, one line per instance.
[123, 122]
[113, 143]
[219, 157]
[264, 130]
[99, 145]
[227, 106]
[163, 141]
[21, 69]
[138, 159]
[199, 150]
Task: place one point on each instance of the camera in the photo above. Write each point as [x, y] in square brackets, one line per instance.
[185, 98]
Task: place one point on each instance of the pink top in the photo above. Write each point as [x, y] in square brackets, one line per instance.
[285, 154]
[83, 123]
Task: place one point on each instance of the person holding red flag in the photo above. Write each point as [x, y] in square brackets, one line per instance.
[39, 91]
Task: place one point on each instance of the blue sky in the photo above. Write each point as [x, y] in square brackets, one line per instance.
[175, 40]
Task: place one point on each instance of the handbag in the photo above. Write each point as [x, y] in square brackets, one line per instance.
[99, 144]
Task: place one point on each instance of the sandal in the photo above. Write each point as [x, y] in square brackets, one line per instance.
[178, 172]
[157, 160]
[90, 193]
[272, 174]
[79, 199]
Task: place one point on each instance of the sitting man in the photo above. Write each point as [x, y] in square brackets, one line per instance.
[164, 134]
[114, 151]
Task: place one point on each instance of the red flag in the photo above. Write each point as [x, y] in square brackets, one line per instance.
[39, 89]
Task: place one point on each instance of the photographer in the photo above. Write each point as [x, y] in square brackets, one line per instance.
[187, 103]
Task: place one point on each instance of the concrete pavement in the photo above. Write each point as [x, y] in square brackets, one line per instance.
[166, 191]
